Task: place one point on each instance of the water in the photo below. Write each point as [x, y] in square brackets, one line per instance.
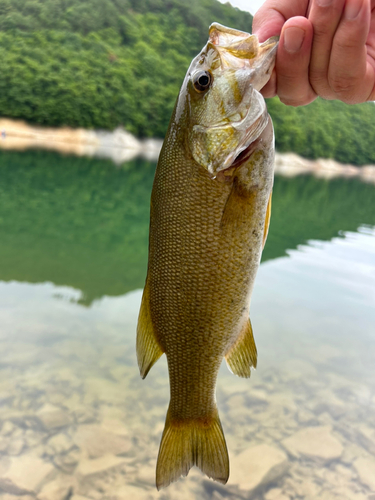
[75, 417]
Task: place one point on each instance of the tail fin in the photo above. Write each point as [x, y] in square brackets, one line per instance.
[189, 442]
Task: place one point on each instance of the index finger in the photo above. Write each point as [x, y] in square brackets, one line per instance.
[270, 18]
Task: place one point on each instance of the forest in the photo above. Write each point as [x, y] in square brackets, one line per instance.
[105, 63]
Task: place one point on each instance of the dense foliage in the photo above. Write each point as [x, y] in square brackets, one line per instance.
[101, 63]
[326, 129]
[84, 223]
[104, 63]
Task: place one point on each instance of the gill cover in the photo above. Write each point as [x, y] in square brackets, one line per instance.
[227, 115]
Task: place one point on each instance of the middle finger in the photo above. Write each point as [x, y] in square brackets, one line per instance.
[325, 17]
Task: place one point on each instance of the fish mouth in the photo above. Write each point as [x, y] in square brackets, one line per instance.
[251, 126]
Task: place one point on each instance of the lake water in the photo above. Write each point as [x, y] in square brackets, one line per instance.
[76, 420]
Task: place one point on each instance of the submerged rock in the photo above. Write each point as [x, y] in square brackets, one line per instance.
[276, 494]
[97, 442]
[4, 443]
[314, 442]
[16, 446]
[24, 474]
[91, 467]
[67, 462]
[365, 468]
[257, 466]
[132, 493]
[60, 488]
[59, 443]
[53, 417]
[147, 475]
[79, 497]
[7, 428]
[9, 496]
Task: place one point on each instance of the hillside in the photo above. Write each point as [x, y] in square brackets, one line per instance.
[101, 63]
[104, 63]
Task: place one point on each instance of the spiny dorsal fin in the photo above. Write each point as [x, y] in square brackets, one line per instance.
[243, 354]
[189, 442]
[148, 348]
[267, 221]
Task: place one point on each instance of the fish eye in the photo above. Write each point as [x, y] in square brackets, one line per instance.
[202, 81]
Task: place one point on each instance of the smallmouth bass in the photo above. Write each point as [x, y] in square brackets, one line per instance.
[210, 211]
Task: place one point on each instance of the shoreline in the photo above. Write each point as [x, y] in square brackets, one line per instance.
[120, 146]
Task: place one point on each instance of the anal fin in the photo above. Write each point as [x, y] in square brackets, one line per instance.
[243, 354]
[148, 348]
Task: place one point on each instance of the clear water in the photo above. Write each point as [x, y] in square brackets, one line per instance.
[75, 417]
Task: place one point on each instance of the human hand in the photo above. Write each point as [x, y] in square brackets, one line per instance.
[326, 49]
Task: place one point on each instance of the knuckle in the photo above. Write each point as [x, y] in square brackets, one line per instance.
[292, 101]
[347, 43]
[298, 99]
[321, 87]
[344, 86]
[318, 78]
[320, 32]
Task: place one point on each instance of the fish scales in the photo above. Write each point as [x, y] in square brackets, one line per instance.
[209, 218]
[190, 288]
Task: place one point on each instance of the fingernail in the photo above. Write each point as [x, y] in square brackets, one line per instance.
[352, 8]
[293, 39]
[324, 3]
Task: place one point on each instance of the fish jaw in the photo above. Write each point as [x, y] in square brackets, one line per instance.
[232, 114]
[222, 145]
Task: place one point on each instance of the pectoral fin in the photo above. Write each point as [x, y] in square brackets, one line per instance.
[148, 348]
[267, 221]
[243, 354]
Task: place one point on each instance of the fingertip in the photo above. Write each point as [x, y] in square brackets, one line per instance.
[271, 16]
[266, 23]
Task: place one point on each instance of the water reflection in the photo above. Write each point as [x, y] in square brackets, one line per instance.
[83, 223]
[76, 419]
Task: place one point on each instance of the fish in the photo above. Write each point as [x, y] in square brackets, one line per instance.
[209, 218]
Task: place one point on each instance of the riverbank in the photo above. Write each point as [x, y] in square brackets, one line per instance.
[120, 146]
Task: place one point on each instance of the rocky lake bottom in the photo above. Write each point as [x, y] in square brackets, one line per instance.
[77, 422]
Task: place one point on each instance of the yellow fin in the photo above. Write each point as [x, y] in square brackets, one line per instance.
[267, 221]
[243, 354]
[148, 348]
[189, 442]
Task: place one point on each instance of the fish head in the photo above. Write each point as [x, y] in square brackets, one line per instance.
[226, 111]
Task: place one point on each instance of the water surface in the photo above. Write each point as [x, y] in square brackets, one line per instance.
[73, 257]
